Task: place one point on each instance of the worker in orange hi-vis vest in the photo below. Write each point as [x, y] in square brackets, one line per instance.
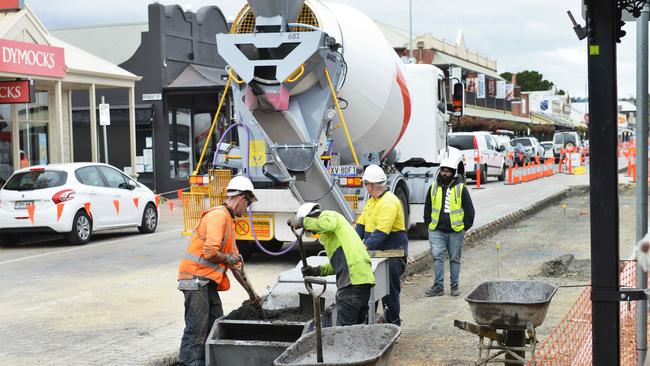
[202, 271]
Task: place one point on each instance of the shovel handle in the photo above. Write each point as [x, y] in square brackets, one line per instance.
[299, 234]
[309, 281]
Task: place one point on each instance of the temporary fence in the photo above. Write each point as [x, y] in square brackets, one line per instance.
[205, 189]
[570, 342]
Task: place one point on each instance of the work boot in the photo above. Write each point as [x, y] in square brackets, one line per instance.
[455, 291]
[434, 291]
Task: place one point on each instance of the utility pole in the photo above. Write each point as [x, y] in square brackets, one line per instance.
[602, 23]
[642, 174]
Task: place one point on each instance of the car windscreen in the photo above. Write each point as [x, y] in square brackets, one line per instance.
[525, 142]
[462, 142]
[33, 180]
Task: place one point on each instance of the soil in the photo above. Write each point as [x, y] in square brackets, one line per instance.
[428, 334]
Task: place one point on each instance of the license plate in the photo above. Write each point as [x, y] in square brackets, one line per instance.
[263, 228]
[22, 205]
[343, 170]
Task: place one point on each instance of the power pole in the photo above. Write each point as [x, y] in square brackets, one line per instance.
[603, 28]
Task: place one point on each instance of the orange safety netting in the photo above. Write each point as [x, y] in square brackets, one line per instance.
[570, 342]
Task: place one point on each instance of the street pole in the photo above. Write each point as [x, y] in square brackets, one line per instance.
[410, 30]
[641, 174]
[105, 143]
[602, 23]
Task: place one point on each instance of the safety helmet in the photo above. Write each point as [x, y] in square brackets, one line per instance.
[241, 185]
[374, 174]
[450, 163]
[308, 209]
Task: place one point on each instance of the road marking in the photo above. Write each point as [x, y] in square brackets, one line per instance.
[86, 247]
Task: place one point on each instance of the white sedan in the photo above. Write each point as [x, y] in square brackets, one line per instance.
[75, 199]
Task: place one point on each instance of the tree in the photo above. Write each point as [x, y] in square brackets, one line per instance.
[529, 80]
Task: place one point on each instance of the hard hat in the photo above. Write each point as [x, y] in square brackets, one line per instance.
[308, 208]
[450, 163]
[239, 185]
[374, 174]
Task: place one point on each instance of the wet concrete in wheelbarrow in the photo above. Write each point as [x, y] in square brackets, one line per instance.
[251, 312]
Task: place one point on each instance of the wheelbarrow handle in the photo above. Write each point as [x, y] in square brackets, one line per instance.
[309, 281]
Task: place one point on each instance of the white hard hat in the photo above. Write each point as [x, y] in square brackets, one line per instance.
[307, 208]
[374, 174]
[450, 163]
[240, 185]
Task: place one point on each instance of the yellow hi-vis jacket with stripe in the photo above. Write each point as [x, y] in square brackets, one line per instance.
[456, 212]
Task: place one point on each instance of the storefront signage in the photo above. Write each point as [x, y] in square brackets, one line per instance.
[16, 92]
[150, 97]
[11, 4]
[31, 59]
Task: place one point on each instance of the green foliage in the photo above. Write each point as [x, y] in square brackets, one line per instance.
[529, 80]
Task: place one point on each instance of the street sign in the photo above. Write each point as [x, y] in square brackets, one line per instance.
[104, 114]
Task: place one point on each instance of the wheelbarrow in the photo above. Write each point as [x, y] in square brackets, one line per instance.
[359, 345]
[507, 313]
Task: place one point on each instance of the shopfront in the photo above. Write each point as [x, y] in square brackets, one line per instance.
[183, 77]
[38, 74]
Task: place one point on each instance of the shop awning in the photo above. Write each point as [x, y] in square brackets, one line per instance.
[494, 114]
[197, 76]
[443, 59]
[552, 119]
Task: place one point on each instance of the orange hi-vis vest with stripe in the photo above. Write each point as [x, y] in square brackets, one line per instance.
[214, 234]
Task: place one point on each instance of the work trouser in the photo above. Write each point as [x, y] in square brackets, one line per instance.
[352, 304]
[202, 308]
[452, 243]
[390, 302]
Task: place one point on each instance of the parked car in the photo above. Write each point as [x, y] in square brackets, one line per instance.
[565, 140]
[548, 149]
[521, 155]
[492, 160]
[531, 145]
[508, 149]
[94, 197]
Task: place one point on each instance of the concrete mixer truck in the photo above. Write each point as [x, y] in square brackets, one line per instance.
[319, 94]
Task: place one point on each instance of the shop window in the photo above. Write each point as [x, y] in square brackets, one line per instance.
[6, 155]
[33, 120]
[180, 145]
[202, 124]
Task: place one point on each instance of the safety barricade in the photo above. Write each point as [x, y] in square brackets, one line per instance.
[193, 208]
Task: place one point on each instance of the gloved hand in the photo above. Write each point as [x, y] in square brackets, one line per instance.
[233, 259]
[310, 271]
[295, 222]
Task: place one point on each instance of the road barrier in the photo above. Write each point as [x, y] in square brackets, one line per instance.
[570, 342]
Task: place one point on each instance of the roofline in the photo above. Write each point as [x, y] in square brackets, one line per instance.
[100, 26]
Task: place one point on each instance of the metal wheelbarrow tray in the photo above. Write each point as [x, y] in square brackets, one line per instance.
[358, 345]
[510, 304]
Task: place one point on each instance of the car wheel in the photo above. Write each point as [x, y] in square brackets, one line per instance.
[484, 174]
[502, 176]
[82, 228]
[149, 220]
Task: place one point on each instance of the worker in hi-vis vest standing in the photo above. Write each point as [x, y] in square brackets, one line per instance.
[202, 271]
[449, 213]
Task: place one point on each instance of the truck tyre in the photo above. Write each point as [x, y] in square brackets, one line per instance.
[82, 229]
[484, 174]
[420, 231]
[401, 194]
[246, 249]
[502, 176]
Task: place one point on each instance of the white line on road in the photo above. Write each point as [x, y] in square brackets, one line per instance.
[85, 247]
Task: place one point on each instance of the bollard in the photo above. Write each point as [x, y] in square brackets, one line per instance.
[517, 177]
[511, 178]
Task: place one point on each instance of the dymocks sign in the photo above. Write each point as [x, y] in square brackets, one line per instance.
[16, 92]
[11, 4]
[31, 59]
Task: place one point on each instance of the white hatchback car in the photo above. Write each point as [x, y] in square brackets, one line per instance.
[75, 199]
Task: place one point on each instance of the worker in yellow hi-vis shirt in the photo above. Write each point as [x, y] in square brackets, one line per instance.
[381, 226]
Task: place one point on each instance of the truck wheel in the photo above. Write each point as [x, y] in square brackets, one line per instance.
[401, 194]
[82, 228]
[502, 176]
[484, 174]
[246, 249]
[420, 231]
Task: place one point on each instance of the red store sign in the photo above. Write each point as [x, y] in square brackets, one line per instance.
[31, 59]
[15, 92]
[11, 4]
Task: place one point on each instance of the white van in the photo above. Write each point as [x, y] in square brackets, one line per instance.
[564, 140]
[493, 163]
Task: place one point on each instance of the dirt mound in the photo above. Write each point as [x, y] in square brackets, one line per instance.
[251, 312]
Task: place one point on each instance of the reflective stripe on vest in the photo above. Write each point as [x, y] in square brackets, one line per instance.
[205, 262]
[456, 212]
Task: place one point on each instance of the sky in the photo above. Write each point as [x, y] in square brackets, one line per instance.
[519, 34]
